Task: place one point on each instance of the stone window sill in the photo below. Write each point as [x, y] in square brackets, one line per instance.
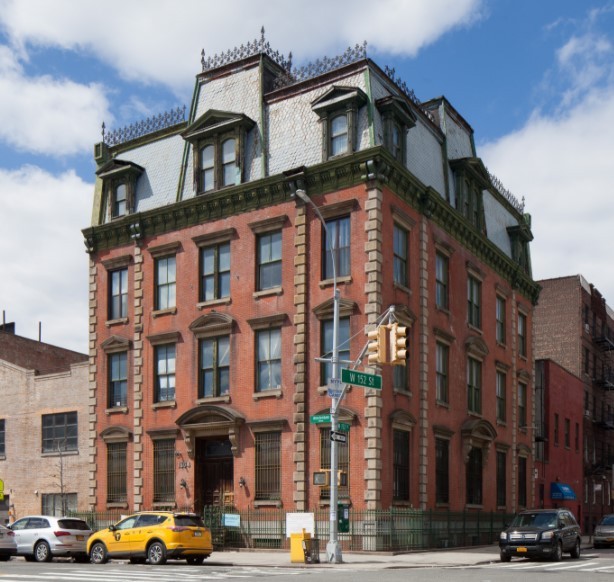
[214, 302]
[119, 321]
[267, 394]
[117, 410]
[330, 282]
[162, 312]
[211, 399]
[164, 404]
[268, 292]
[268, 503]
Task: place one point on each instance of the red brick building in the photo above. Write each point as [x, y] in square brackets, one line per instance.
[574, 327]
[211, 297]
[559, 398]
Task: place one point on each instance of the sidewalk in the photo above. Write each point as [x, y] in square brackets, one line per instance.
[368, 560]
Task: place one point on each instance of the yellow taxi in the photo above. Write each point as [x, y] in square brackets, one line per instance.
[155, 536]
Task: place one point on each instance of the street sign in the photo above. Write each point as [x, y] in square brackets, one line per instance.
[335, 387]
[361, 379]
[319, 418]
[340, 437]
[334, 393]
[343, 427]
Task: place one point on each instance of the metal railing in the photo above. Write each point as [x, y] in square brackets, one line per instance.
[392, 530]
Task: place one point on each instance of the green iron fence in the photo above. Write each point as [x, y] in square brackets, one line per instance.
[392, 530]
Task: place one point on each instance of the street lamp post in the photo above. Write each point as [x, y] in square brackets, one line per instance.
[333, 548]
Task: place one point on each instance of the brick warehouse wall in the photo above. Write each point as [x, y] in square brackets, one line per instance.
[28, 473]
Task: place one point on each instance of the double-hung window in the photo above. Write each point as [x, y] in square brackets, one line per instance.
[118, 379]
[269, 260]
[336, 247]
[500, 320]
[60, 432]
[474, 301]
[215, 272]
[166, 282]
[268, 342]
[165, 372]
[339, 135]
[441, 280]
[474, 385]
[118, 206]
[118, 294]
[400, 254]
[442, 352]
[218, 165]
[522, 335]
[214, 367]
[522, 406]
[501, 380]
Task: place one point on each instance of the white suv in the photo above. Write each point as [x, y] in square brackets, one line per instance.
[41, 537]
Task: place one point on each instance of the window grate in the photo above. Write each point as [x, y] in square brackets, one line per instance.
[268, 465]
[116, 473]
[164, 470]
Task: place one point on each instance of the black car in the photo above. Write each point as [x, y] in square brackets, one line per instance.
[541, 533]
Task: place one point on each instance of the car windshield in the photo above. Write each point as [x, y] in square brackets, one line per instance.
[73, 524]
[189, 520]
[607, 520]
[534, 520]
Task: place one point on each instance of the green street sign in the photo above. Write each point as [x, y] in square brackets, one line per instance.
[361, 379]
[319, 418]
[343, 427]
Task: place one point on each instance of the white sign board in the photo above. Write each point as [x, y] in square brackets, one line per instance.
[232, 520]
[297, 522]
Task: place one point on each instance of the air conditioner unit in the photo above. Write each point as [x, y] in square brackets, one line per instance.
[587, 328]
[587, 413]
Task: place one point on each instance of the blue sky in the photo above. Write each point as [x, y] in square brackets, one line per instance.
[535, 80]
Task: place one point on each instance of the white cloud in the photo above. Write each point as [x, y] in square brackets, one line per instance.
[44, 264]
[46, 115]
[160, 40]
[563, 166]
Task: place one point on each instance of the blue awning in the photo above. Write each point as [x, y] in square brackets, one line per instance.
[561, 491]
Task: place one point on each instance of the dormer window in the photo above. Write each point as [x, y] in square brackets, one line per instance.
[338, 109]
[471, 179]
[339, 135]
[120, 197]
[218, 140]
[397, 119]
[119, 179]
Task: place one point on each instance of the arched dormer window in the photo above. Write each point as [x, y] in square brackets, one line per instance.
[218, 142]
[119, 179]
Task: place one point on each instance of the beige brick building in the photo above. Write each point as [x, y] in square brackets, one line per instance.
[43, 428]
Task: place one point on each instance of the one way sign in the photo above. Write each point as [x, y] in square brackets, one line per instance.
[340, 437]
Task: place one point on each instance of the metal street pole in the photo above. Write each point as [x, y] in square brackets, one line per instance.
[333, 548]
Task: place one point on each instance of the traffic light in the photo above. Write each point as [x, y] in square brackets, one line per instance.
[399, 344]
[321, 478]
[377, 348]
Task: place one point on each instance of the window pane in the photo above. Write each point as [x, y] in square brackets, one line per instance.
[229, 162]
[339, 138]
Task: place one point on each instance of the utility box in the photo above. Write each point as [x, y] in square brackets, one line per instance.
[298, 544]
[343, 518]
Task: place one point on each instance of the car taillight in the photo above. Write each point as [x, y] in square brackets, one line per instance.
[60, 533]
[10, 533]
[178, 528]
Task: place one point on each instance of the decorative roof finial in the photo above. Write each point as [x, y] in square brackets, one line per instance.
[103, 128]
[202, 58]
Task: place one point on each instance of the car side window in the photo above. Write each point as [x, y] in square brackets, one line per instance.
[19, 525]
[127, 523]
[146, 520]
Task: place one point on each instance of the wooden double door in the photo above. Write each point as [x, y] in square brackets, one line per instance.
[214, 473]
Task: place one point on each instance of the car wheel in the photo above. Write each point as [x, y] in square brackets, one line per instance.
[156, 553]
[557, 555]
[575, 552]
[98, 554]
[195, 560]
[42, 552]
[505, 557]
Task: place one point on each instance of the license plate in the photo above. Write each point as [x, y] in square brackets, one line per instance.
[521, 550]
[198, 534]
[80, 538]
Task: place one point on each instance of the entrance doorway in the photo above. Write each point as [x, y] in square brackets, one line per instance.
[214, 473]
